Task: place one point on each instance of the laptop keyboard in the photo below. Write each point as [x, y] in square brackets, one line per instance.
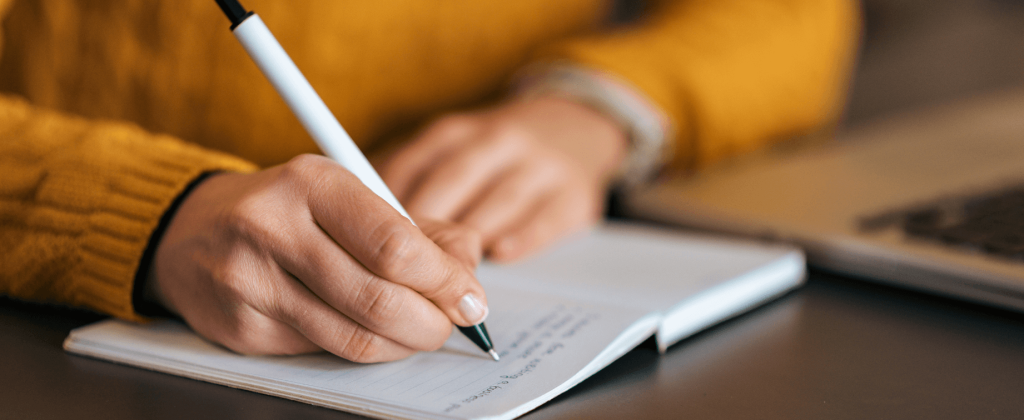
[992, 223]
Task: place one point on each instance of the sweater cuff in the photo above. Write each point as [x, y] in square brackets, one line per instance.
[140, 187]
[139, 302]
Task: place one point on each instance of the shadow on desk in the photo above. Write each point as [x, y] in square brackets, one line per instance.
[835, 349]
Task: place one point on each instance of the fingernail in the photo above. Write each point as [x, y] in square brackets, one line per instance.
[472, 310]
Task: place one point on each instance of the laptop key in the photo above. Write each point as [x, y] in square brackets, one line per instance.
[992, 223]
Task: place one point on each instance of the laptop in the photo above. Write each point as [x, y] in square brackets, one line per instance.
[931, 200]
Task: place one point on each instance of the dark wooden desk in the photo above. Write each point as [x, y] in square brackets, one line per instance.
[836, 349]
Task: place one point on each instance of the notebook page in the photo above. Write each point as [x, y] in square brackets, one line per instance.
[543, 342]
[637, 266]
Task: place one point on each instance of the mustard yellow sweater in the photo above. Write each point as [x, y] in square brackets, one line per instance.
[84, 178]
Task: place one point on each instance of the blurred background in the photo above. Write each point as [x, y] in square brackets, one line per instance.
[917, 53]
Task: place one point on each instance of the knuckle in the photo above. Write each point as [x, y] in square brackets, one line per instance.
[395, 252]
[231, 284]
[379, 302]
[362, 346]
[243, 280]
[308, 171]
[243, 336]
[446, 285]
[303, 163]
[248, 218]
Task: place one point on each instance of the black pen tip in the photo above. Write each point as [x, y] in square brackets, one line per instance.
[478, 335]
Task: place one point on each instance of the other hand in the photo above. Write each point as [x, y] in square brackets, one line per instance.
[524, 173]
[303, 257]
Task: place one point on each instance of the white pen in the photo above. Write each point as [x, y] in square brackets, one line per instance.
[319, 122]
[304, 102]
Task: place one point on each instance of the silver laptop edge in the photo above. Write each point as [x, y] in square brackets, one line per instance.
[817, 197]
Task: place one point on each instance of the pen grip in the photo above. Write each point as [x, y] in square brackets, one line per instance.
[304, 102]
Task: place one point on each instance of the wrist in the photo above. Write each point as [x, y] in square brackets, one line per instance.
[145, 295]
[598, 142]
[647, 130]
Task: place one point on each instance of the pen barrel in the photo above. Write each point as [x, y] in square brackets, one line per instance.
[304, 102]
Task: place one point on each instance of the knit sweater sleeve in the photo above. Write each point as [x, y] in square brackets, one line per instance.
[79, 200]
[730, 75]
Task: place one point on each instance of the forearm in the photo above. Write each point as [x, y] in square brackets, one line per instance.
[79, 201]
[729, 75]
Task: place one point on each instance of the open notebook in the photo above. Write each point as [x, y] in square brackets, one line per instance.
[555, 320]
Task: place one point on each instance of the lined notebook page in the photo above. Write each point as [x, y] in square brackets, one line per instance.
[544, 343]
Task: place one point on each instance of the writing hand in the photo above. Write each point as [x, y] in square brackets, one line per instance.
[524, 173]
[302, 257]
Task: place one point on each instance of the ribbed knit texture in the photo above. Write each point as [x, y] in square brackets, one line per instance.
[78, 202]
[83, 181]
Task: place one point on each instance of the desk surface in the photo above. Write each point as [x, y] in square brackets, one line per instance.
[835, 349]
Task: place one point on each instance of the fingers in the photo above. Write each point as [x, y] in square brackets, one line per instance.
[258, 263]
[554, 218]
[331, 330]
[494, 169]
[289, 319]
[255, 333]
[402, 170]
[458, 241]
[385, 308]
[390, 246]
[453, 183]
[515, 195]
[252, 306]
